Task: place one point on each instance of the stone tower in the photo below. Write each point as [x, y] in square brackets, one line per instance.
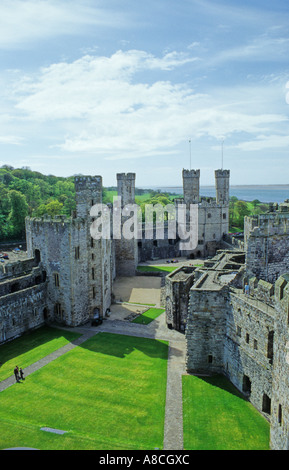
[95, 258]
[88, 191]
[222, 181]
[78, 268]
[126, 250]
[126, 187]
[191, 186]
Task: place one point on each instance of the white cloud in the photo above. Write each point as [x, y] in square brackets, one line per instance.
[263, 142]
[22, 22]
[10, 139]
[262, 48]
[99, 104]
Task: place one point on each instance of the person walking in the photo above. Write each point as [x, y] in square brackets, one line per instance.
[16, 373]
[21, 374]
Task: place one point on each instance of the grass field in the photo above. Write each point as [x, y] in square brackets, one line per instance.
[109, 393]
[156, 269]
[148, 316]
[31, 347]
[216, 417]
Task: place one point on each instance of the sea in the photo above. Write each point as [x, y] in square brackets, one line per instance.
[264, 193]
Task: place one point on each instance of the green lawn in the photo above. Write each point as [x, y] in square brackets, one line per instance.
[29, 348]
[156, 269]
[109, 393]
[216, 417]
[148, 316]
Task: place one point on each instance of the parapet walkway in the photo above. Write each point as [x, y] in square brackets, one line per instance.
[173, 433]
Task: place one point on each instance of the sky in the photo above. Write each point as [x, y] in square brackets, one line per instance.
[99, 87]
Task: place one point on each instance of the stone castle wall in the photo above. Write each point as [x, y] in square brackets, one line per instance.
[206, 325]
[280, 394]
[247, 353]
[177, 287]
[266, 239]
[16, 268]
[22, 311]
[244, 336]
[231, 333]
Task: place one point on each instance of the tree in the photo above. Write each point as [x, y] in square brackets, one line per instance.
[18, 212]
[233, 200]
[52, 208]
[241, 210]
[256, 202]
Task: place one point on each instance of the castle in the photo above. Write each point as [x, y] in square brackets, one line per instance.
[237, 331]
[67, 278]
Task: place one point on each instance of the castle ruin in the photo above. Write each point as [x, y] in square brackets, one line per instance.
[67, 278]
[238, 332]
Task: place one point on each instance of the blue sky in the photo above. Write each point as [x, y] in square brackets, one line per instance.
[105, 86]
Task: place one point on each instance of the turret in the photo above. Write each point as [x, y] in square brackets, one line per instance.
[126, 251]
[126, 187]
[88, 191]
[222, 181]
[191, 186]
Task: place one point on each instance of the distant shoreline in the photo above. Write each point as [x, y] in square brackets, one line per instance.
[244, 186]
[265, 193]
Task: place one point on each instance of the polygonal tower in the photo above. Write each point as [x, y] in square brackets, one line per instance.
[88, 191]
[126, 251]
[191, 186]
[126, 188]
[222, 182]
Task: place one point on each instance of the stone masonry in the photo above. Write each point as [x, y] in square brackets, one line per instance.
[244, 334]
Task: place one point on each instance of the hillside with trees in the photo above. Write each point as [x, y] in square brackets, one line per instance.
[29, 193]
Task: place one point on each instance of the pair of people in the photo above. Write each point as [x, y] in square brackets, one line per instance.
[18, 374]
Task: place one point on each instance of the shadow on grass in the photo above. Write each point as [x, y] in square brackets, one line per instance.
[31, 340]
[110, 344]
[122, 345]
[220, 381]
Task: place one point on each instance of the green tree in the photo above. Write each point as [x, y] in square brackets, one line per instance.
[241, 210]
[18, 212]
[233, 200]
[52, 208]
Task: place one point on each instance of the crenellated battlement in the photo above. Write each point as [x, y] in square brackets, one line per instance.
[191, 173]
[126, 187]
[261, 290]
[191, 186]
[83, 183]
[126, 176]
[222, 181]
[222, 173]
[56, 220]
[265, 225]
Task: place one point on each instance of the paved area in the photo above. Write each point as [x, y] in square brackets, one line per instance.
[145, 289]
[12, 256]
[116, 323]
